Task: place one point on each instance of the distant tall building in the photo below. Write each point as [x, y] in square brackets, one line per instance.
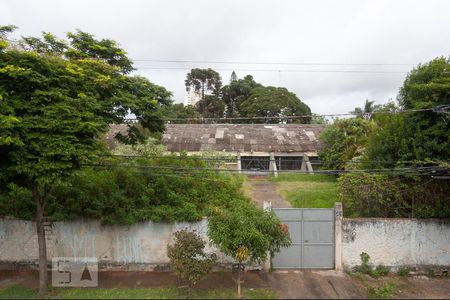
[192, 98]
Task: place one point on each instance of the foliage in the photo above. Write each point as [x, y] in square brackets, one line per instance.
[417, 136]
[180, 111]
[318, 119]
[274, 102]
[188, 258]
[384, 196]
[57, 99]
[151, 147]
[380, 271]
[364, 268]
[211, 106]
[236, 92]
[385, 145]
[342, 141]
[203, 82]
[403, 271]
[242, 224]
[138, 189]
[384, 291]
[367, 111]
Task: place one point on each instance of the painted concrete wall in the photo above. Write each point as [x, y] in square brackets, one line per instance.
[396, 242]
[141, 246]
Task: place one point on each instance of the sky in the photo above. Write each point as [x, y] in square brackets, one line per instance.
[326, 39]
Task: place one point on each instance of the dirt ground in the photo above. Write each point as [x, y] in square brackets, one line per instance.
[260, 189]
[305, 284]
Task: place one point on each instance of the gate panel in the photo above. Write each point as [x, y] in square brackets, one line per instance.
[312, 234]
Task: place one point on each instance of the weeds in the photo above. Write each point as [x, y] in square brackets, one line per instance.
[384, 291]
[403, 271]
[379, 271]
[365, 268]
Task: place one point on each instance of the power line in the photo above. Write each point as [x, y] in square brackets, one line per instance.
[233, 158]
[284, 117]
[281, 70]
[195, 170]
[270, 63]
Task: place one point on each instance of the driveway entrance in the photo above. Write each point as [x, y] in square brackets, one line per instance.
[312, 234]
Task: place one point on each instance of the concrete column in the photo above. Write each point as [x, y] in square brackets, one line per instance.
[239, 164]
[306, 165]
[303, 166]
[338, 216]
[273, 165]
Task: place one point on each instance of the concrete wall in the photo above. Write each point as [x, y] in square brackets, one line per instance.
[396, 242]
[137, 247]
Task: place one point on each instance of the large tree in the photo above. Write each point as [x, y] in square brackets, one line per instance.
[417, 135]
[57, 99]
[343, 141]
[427, 86]
[236, 92]
[203, 82]
[211, 106]
[275, 102]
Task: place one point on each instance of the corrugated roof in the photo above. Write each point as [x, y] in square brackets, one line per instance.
[242, 137]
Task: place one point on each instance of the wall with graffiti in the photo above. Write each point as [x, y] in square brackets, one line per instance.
[138, 247]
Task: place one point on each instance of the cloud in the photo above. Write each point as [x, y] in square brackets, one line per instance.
[348, 31]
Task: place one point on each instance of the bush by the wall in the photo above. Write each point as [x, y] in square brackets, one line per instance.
[117, 192]
[380, 195]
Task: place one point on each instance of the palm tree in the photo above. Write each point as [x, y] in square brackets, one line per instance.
[366, 113]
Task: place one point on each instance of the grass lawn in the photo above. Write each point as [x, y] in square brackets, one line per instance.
[308, 191]
[20, 292]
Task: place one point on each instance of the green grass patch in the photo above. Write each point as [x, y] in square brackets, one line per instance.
[20, 292]
[305, 177]
[308, 191]
[17, 292]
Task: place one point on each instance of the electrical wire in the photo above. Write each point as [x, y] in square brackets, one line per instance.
[281, 70]
[233, 158]
[195, 169]
[282, 117]
[269, 63]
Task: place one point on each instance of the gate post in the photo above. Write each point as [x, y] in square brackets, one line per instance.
[338, 215]
[273, 165]
[239, 163]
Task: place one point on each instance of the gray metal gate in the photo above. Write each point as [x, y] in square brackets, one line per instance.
[312, 234]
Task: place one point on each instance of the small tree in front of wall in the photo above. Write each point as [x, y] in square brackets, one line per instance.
[188, 258]
[247, 234]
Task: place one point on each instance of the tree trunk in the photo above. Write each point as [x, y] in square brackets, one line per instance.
[43, 276]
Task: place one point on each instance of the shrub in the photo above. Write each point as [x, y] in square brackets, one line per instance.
[385, 196]
[379, 271]
[188, 258]
[141, 189]
[243, 224]
[364, 268]
[247, 233]
[403, 271]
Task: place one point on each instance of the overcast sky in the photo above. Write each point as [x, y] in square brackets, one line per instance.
[313, 32]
